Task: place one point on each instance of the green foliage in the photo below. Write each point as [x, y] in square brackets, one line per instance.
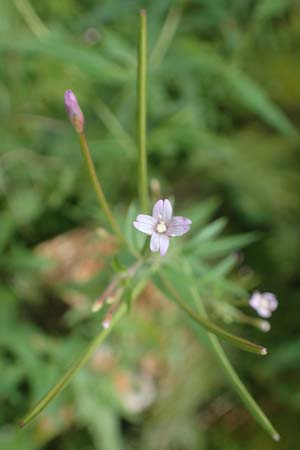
[223, 123]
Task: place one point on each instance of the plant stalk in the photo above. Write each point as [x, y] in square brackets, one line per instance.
[231, 374]
[142, 113]
[237, 383]
[82, 360]
[97, 187]
[73, 369]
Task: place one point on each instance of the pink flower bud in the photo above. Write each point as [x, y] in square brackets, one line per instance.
[74, 111]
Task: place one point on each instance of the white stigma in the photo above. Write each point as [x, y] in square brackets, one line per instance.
[161, 227]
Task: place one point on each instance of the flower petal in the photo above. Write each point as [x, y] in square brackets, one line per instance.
[144, 227]
[255, 300]
[167, 211]
[264, 303]
[158, 210]
[163, 244]
[272, 300]
[146, 219]
[264, 312]
[155, 242]
[178, 226]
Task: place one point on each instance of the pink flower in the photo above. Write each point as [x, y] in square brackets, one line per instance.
[161, 226]
[74, 112]
[264, 303]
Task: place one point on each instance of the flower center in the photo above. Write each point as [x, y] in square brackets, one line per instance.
[161, 227]
[264, 303]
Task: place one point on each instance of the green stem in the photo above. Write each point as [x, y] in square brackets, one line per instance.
[82, 360]
[232, 376]
[237, 384]
[97, 187]
[142, 112]
[74, 368]
[239, 342]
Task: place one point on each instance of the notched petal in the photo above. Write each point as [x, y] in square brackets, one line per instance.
[145, 218]
[167, 211]
[158, 209]
[163, 244]
[154, 242]
[178, 226]
[144, 227]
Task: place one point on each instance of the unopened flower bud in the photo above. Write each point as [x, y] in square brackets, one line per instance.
[74, 112]
[264, 325]
[155, 188]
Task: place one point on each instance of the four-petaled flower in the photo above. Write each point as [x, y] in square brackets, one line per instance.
[264, 303]
[162, 225]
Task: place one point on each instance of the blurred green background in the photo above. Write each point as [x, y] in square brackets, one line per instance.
[224, 109]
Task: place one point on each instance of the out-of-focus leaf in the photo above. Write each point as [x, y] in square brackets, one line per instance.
[88, 61]
[166, 285]
[27, 205]
[7, 228]
[206, 234]
[223, 246]
[133, 237]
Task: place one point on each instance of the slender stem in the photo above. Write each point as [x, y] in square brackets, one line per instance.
[82, 360]
[232, 376]
[142, 112]
[74, 368]
[97, 187]
[237, 383]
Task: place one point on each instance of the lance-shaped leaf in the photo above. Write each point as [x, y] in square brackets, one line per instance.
[239, 342]
[230, 372]
[82, 360]
[73, 369]
[237, 383]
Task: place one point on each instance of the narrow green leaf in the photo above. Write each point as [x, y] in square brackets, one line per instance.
[222, 246]
[82, 360]
[206, 234]
[239, 342]
[255, 98]
[238, 385]
[89, 61]
[135, 240]
[202, 213]
[223, 268]
[74, 368]
[232, 376]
